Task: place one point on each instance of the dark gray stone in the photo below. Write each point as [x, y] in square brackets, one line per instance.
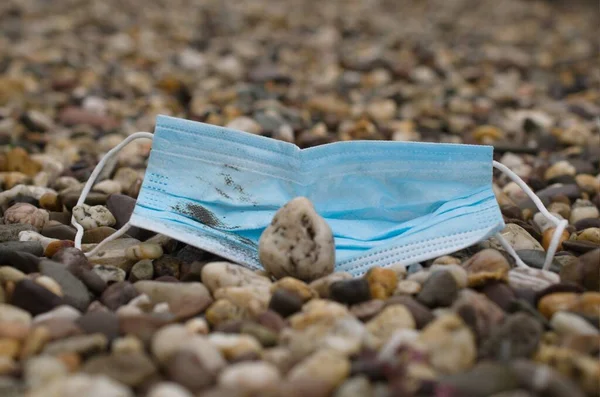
[118, 294]
[27, 263]
[75, 292]
[484, 380]
[536, 258]
[104, 322]
[517, 337]
[61, 232]
[34, 298]
[440, 289]
[30, 247]
[285, 303]
[350, 291]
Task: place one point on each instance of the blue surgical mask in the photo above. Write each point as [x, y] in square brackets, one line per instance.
[386, 202]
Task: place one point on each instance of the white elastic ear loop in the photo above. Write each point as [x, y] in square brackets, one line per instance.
[560, 224]
[90, 183]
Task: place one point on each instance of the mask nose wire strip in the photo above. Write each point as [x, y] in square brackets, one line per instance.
[560, 224]
[90, 183]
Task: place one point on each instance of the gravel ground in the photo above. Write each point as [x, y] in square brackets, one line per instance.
[151, 316]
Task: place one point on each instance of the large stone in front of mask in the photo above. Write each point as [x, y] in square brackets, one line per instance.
[298, 243]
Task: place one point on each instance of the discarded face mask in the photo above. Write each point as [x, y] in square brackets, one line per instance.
[386, 202]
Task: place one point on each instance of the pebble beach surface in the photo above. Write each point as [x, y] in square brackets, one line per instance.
[151, 316]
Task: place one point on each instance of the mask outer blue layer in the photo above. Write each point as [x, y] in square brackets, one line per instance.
[386, 202]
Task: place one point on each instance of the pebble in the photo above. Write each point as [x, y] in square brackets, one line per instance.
[583, 209]
[129, 369]
[34, 236]
[144, 251]
[483, 380]
[167, 265]
[456, 270]
[93, 216]
[517, 337]
[390, 319]
[568, 362]
[518, 238]
[30, 247]
[103, 322]
[61, 312]
[323, 284]
[351, 291]
[382, 282]
[97, 234]
[450, 344]
[320, 373]
[112, 254]
[10, 232]
[295, 286]
[297, 243]
[250, 377]
[566, 323]
[285, 303]
[585, 304]
[440, 289]
[486, 266]
[142, 270]
[91, 385]
[110, 274]
[24, 213]
[39, 371]
[184, 299]
[81, 344]
[478, 312]
[74, 291]
[536, 259]
[118, 294]
[168, 389]
[354, 387]
[407, 287]
[34, 298]
[195, 364]
[235, 346]
[217, 275]
[588, 267]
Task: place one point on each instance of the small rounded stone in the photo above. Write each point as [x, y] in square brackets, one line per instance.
[53, 247]
[250, 377]
[407, 287]
[25, 213]
[566, 323]
[440, 289]
[351, 291]
[51, 202]
[548, 235]
[285, 303]
[382, 282]
[556, 302]
[144, 251]
[295, 286]
[487, 265]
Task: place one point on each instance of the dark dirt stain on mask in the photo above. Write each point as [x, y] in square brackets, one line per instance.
[202, 215]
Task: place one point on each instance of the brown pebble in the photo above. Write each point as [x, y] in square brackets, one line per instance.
[56, 246]
[382, 282]
[549, 234]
